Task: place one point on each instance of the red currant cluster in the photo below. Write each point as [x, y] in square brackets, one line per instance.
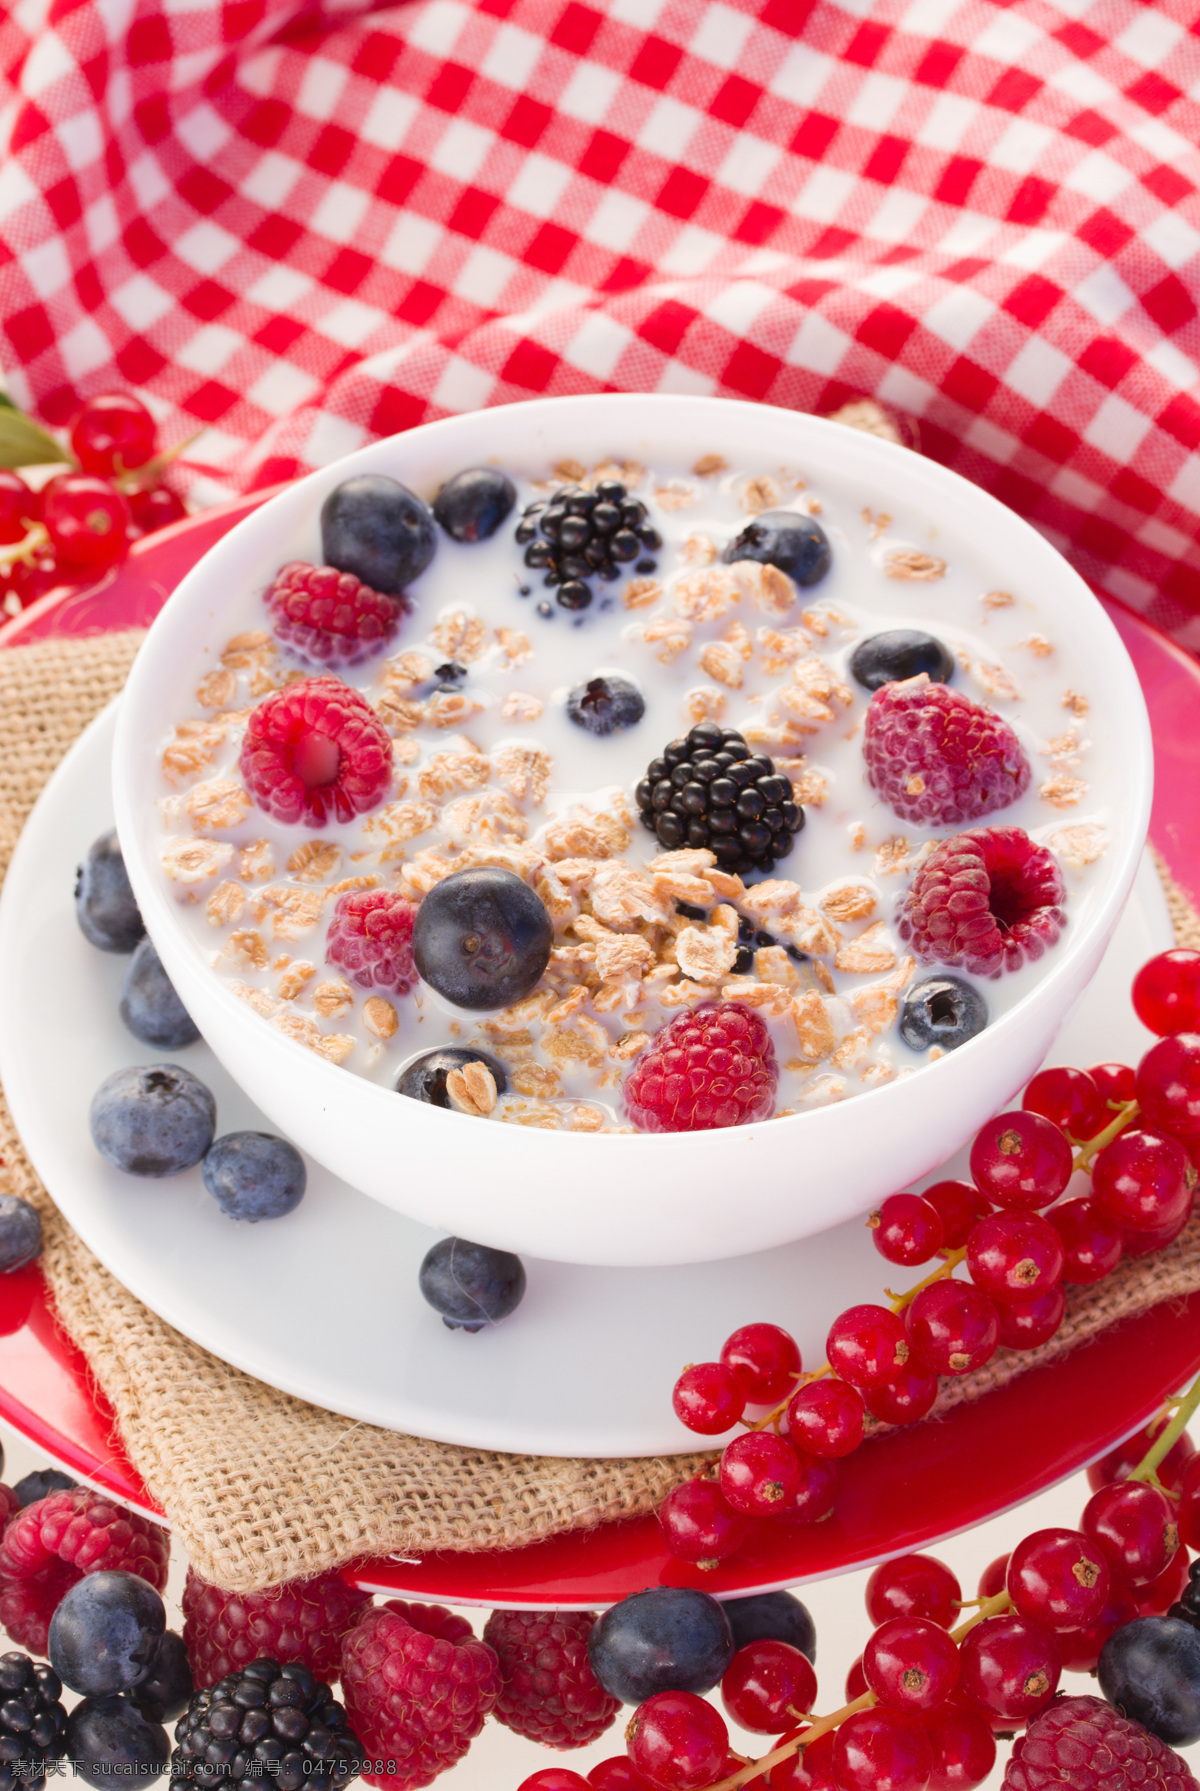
[1021, 1244]
[82, 521]
[927, 1699]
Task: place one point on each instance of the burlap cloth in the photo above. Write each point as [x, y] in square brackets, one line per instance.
[261, 1487]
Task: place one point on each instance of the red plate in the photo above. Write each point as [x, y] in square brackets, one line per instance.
[903, 1492]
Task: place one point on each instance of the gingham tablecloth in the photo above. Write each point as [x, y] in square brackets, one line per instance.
[306, 225]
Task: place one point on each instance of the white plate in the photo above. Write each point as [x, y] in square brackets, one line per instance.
[324, 1304]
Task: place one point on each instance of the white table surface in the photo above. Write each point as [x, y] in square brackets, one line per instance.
[500, 1760]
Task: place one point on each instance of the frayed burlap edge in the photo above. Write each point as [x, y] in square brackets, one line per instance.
[261, 1487]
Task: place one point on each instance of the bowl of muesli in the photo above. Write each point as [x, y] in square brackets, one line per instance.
[632, 829]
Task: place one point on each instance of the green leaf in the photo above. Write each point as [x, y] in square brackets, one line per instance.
[22, 443]
[6, 402]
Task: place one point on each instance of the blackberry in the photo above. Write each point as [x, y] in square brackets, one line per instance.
[33, 1723]
[710, 790]
[580, 535]
[270, 1721]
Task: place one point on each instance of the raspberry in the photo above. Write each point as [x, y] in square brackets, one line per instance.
[715, 1067]
[987, 900]
[87, 1531]
[27, 1605]
[330, 617]
[1084, 1743]
[370, 938]
[550, 1693]
[937, 758]
[417, 1687]
[316, 751]
[302, 1620]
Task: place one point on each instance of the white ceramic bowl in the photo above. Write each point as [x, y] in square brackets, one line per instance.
[620, 1199]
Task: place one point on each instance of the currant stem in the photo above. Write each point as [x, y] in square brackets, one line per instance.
[37, 537]
[778, 1755]
[949, 1263]
[1187, 1405]
[1127, 1113]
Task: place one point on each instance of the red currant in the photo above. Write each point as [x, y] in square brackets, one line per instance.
[26, 581]
[1028, 1324]
[767, 1686]
[820, 1480]
[877, 1750]
[1116, 1081]
[1079, 1649]
[88, 520]
[19, 506]
[1120, 1462]
[1070, 1100]
[113, 433]
[1059, 1578]
[1157, 1598]
[1009, 1668]
[761, 1474]
[155, 508]
[826, 1418]
[866, 1345]
[708, 1398]
[1166, 992]
[809, 1770]
[677, 1742]
[1139, 1181]
[914, 1586]
[958, 1205]
[554, 1778]
[1168, 1085]
[907, 1230]
[1147, 1243]
[911, 1664]
[856, 1681]
[615, 1774]
[1020, 1161]
[952, 1327]
[765, 1361]
[992, 1579]
[1014, 1256]
[699, 1525]
[964, 1749]
[906, 1398]
[1134, 1525]
[1092, 1244]
[1189, 1504]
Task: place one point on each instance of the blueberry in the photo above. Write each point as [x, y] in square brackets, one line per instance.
[105, 1633]
[1150, 1671]
[900, 653]
[472, 505]
[482, 938]
[379, 530]
[254, 1175]
[784, 538]
[105, 908]
[20, 1233]
[40, 1483]
[166, 1691]
[425, 1078]
[773, 1617]
[943, 1010]
[471, 1285]
[150, 1007]
[152, 1119]
[110, 1741]
[606, 705]
[668, 1639]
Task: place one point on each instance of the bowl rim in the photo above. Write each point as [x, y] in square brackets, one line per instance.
[973, 508]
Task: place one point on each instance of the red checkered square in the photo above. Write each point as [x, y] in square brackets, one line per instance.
[306, 225]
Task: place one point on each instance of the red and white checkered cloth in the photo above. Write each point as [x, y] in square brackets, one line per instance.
[305, 225]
